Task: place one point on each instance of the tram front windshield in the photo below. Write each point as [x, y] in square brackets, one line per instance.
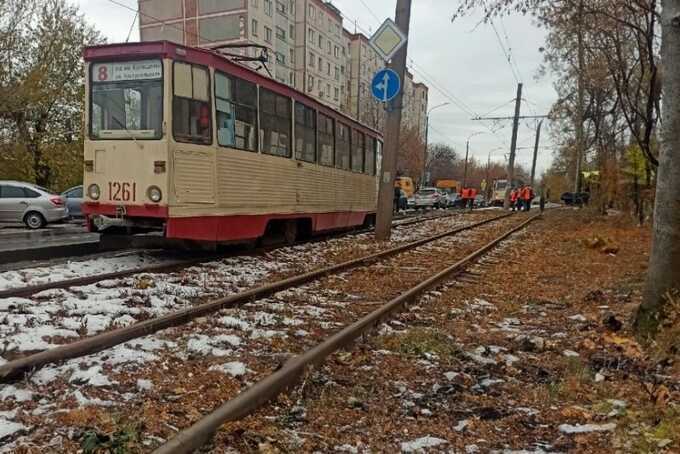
[126, 100]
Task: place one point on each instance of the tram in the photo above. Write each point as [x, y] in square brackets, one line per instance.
[186, 142]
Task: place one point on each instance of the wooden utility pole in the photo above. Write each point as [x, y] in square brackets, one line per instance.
[383, 227]
[533, 163]
[513, 147]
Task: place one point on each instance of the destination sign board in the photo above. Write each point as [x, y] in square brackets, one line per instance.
[131, 70]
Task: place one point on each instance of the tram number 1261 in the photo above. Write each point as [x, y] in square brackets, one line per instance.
[122, 192]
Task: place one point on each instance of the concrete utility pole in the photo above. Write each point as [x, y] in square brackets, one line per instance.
[467, 152]
[580, 101]
[383, 226]
[533, 163]
[513, 146]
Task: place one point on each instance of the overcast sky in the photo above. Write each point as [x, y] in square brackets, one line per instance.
[463, 59]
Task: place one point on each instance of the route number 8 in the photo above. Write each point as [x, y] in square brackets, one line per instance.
[103, 73]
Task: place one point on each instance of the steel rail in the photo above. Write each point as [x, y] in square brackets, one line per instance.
[87, 280]
[15, 369]
[271, 386]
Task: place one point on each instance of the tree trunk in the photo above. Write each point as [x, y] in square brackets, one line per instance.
[664, 263]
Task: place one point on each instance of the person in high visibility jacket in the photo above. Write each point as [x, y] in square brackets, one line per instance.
[527, 195]
[514, 197]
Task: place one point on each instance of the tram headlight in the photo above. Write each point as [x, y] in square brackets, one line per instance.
[154, 193]
[93, 191]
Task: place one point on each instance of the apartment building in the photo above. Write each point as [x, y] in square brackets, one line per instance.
[211, 23]
[321, 54]
[309, 48]
[363, 63]
[414, 111]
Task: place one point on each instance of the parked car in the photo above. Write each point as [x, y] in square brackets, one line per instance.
[480, 201]
[74, 200]
[575, 198]
[31, 204]
[453, 200]
[428, 198]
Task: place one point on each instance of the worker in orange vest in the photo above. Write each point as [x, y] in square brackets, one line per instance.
[527, 195]
[514, 196]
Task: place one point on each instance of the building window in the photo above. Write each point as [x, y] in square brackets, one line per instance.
[342, 147]
[191, 104]
[336, 52]
[328, 68]
[336, 94]
[281, 8]
[291, 31]
[369, 168]
[329, 47]
[312, 59]
[320, 41]
[330, 26]
[357, 160]
[268, 34]
[254, 3]
[310, 83]
[291, 79]
[275, 123]
[305, 133]
[342, 70]
[292, 56]
[311, 34]
[326, 140]
[320, 65]
[280, 58]
[328, 90]
[280, 33]
[253, 27]
[312, 11]
[337, 73]
[236, 104]
[268, 7]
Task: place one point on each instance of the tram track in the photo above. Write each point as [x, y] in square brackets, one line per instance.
[15, 369]
[26, 291]
[289, 373]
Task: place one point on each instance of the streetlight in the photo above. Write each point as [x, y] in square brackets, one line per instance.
[427, 131]
[467, 151]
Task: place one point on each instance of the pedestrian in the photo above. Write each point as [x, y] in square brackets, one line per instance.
[527, 195]
[514, 196]
[472, 194]
[397, 195]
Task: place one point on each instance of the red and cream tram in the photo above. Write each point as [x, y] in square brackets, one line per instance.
[185, 141]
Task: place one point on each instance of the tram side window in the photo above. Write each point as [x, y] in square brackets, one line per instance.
[369, 167]
[342, 147]
[357, 151]
[236, 102]
[191, 104]
[275, 123]
[326, 140]
[305, 133]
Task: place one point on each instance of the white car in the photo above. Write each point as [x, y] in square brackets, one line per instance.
[428, 198]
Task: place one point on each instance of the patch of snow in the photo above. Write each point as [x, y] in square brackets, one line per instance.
[451, 375]
[144, 385]
[233, 322]
[490, 382]
[9, 414]
[421, 443]
[471, 449]
[265, 334]
[346, 448]
[46, 375]
[2, 361]
[85, 401]
[301, 333]
[578, 318]
[234, 368]
[33, 339]
[19, 395]
[510, 359]
[570, 354]
[461, 425]
[586, 428]
[92, 376]
[8, 428]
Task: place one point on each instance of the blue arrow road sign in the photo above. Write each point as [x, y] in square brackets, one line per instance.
[385, 85]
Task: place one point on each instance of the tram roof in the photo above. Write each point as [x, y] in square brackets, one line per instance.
[211, 58]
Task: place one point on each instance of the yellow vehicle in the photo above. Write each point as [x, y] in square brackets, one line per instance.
[448, 185]
[406, 185]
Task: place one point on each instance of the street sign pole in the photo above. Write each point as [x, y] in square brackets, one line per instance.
[392, 126]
